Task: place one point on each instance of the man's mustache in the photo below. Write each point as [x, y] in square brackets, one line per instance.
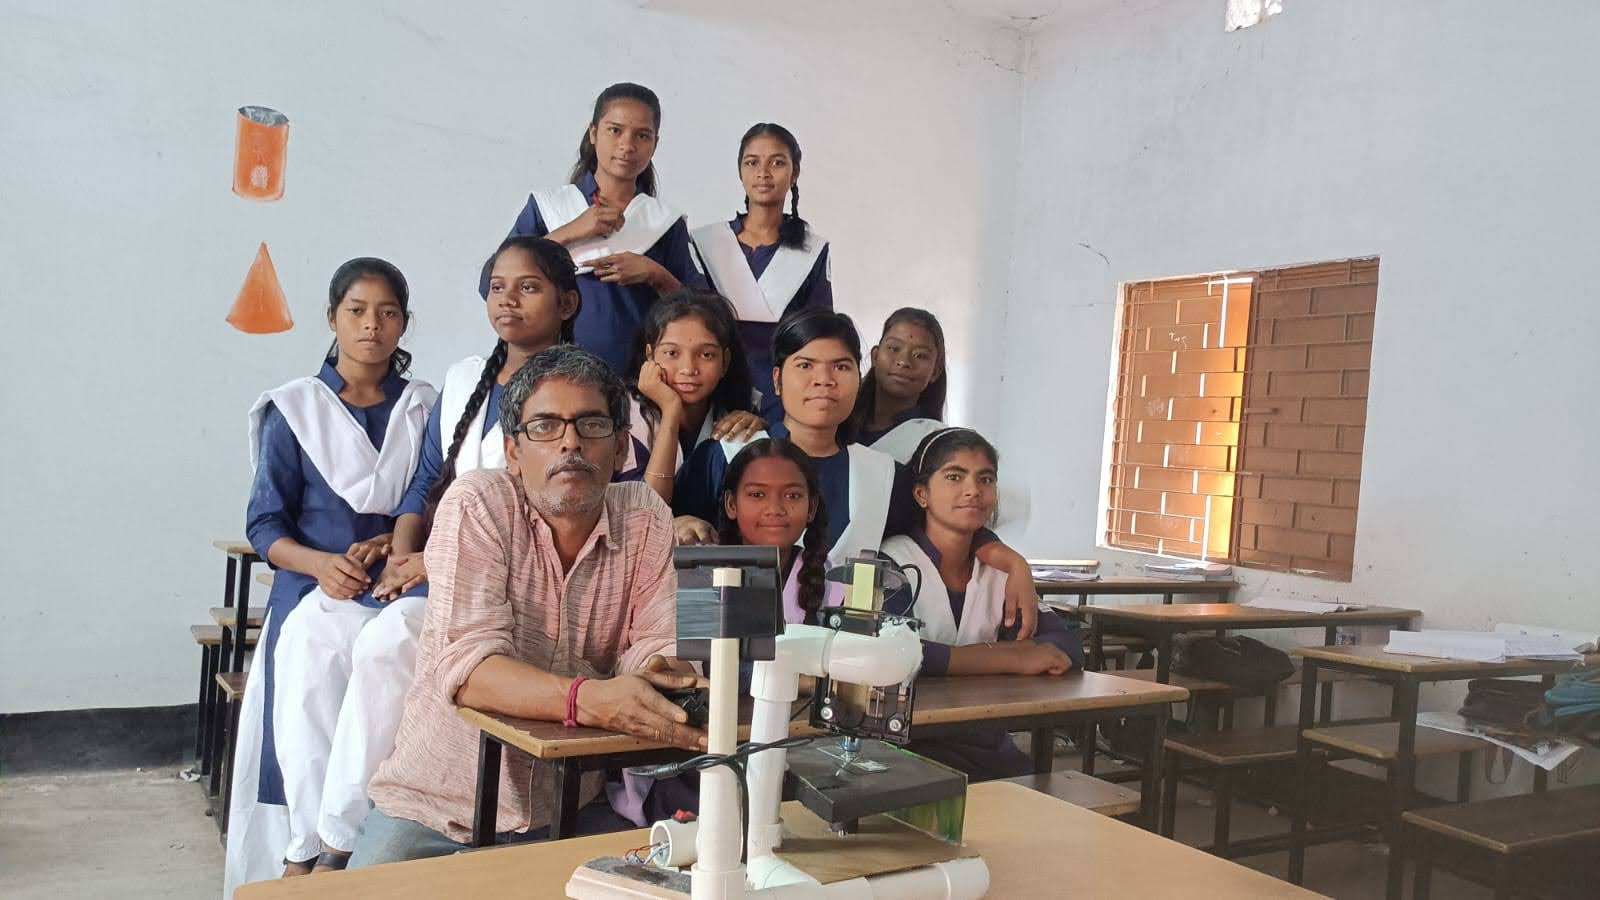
[572, 463]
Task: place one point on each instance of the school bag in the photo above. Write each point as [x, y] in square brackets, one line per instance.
[1572, 707]
[1501, 702]
[1235, 659]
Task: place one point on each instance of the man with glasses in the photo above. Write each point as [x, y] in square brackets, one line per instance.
[552, 597]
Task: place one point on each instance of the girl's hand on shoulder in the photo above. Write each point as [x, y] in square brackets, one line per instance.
[738, 425]
[653, 385]
[1022, 603]
[693, 532]
[1037, 658]
[628, 268]
[341, 577]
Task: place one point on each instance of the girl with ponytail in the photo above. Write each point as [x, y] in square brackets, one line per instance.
[766, 260]
[630, 247]
[532, 299]
[332, 455]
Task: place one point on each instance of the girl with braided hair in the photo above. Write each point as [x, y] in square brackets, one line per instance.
[767, 260]
[532, 301]
[630, 247]
[771, 497]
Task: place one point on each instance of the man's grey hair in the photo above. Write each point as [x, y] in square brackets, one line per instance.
[570, 364]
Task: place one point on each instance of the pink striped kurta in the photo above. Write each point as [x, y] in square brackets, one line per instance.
[496, 588]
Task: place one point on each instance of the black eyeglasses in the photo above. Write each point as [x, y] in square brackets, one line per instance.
[551, 428]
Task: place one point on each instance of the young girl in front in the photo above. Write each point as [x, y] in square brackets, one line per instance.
[332, 455]
[630, 247]
[960, 600]
[690, 386]
[767, 260]
[902, 397]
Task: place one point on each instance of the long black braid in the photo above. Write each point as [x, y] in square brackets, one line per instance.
[480, 393]
[814, 543]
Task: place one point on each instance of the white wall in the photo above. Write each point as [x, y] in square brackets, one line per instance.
[1454, 140]
[417, 133]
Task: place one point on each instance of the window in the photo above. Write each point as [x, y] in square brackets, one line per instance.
[1240, 415]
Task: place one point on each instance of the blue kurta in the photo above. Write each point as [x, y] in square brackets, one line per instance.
[611, 313]
[430, 463]
[816, 291]
[289, 498]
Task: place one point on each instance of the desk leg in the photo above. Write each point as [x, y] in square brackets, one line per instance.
[1043, 745]
[1083, 600]
[1091, 737]
[1164, 658]
[1150, 788]
[1330, 636]
[241, 596]
[208, 654]
[1402, 777]
[1502, 876]
[1167, 598]
[1541, 777]
[1422, 878]
[1302, 803]
[487, 803]
[1097, 646]
[564, 811]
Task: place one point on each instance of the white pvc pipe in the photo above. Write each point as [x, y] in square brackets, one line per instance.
[717, 873]
[774, 686]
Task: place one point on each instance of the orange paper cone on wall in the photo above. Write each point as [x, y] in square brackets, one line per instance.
[260, 152]
[261, 307]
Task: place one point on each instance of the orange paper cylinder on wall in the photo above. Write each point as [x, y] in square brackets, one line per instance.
[260, 153]
[261, 307]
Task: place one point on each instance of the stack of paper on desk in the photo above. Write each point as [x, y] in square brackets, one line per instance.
[1065, 569]
[1579, 641]
[1288, 604]
[1195, 571]
[1479, 646]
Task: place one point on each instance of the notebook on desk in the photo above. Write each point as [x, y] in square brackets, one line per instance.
[1289, 604]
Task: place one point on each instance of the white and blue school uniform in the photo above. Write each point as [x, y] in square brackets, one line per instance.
[611, 313]
[969, 616]
[642, 436]
[327, 475]
[764, 284]
[901, 438]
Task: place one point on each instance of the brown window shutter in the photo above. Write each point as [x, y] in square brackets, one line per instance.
[1304, 417]
[1179, 401]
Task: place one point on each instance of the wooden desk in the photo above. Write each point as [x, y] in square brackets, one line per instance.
[1034, 846]
[943, 706]
[1161, 622]
[1405, 675]
[236, 590]
[1134, 586]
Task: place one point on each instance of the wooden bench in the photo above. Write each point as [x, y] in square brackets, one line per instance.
[209, 639]
[230, 686]
[1086, 791]
[1507, 828]
[225, 617]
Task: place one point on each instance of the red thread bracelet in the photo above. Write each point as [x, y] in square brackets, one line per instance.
[571, 720]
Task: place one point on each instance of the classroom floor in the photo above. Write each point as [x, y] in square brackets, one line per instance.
[135, 834]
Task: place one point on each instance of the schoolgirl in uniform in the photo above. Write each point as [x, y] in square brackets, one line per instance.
[816, 359]
[768, 262]
[332, 455]
[772, 497]
[960, 600]
[691, 385]
[532, 301]
[902, 397]
[630, 247]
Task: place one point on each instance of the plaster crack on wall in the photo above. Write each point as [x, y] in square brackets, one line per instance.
[1091, 249]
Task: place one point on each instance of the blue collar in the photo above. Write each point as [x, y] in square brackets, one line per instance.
[392, 384]
[920, 535]
[588, 187]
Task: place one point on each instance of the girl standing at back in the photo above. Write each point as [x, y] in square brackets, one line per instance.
[629, 246]
[767, 261]
[902, 398]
